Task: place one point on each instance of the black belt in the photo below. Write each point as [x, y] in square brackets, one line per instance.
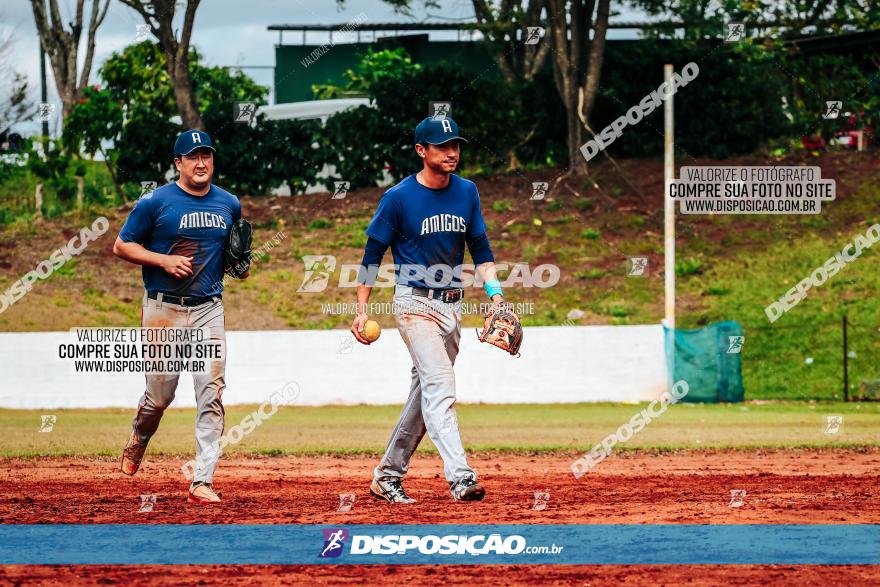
[444, 295]
[182, 301]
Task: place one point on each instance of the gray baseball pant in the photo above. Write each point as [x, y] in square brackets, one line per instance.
[431, 330]
[208, 385]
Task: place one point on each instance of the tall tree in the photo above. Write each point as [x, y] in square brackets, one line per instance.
[15, 102]
[159, 16]
[504, 24]
[577, 57]
[577, 64]
[62, 45]
[790, 18]
[499, 22]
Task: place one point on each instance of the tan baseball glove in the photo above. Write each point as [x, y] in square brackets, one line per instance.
[501, 328]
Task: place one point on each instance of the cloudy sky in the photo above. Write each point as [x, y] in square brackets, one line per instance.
[227, 32]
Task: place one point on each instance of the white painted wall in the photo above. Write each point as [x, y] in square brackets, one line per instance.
[559, 364]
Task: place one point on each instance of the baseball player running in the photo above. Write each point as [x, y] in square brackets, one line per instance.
[427, 219]
[178, 234]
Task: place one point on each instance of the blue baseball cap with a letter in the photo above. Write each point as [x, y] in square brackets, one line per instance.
[437, 130]
[190, 140]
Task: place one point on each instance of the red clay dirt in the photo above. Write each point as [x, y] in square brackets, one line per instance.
[782, 486]
[405, 575]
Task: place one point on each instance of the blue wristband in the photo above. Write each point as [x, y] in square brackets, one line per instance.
[493, 287]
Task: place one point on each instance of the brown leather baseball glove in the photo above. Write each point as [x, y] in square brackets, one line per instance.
[502, 328]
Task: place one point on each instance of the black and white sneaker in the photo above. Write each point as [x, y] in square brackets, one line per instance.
[390, 489]
[466, 489]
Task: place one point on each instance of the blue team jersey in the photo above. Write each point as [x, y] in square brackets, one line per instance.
[426, 227]
[171, 221]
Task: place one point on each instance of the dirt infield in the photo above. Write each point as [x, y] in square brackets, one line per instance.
[791, 486]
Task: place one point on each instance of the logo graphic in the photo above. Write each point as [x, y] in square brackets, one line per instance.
[147, 189]
[47, 423]
[447, 422]
[342, 188]
[244, 111]
[533, 35]
[833, 424]
[319, 268]
[735, 344]
[334, 543]
[575, 314]
[147, 503]
[45, 111]
[346, 502]
[439, 110]
[832, 109]
[346, 343]
[735, 32]
[637, 266]
[141, 32]
[542, 498]
[737, 498]
[539, 190]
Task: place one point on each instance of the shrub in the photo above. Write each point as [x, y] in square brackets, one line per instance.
[501, 206]
[589, 274]
[689, 266]
[321, 223]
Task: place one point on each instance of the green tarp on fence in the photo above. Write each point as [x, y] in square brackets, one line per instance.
[708, 359]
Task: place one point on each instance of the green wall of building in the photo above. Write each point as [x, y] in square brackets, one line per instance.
[294, 80]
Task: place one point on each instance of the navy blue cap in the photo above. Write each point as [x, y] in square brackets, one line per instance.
[190, 140]
[436, 131]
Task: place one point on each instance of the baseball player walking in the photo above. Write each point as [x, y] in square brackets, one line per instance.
[178, 234]
[427, 219]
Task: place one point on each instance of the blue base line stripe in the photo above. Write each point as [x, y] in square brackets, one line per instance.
[619, 544]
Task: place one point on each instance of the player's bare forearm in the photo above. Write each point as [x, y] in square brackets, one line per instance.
[176, 265]
[487, 273]
[360, 318]
[136, 253]
[363, 296]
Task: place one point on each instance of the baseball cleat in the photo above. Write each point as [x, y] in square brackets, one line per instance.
[202, 494]
[467, 489]
[390, 489]
[132, 455]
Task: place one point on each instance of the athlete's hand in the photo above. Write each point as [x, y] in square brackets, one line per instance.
[177, 265]
[499, 302]
[357, 328]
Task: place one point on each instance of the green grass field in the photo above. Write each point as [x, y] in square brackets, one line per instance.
[505, 428]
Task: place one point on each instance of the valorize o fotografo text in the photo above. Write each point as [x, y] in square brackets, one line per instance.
[751, 190]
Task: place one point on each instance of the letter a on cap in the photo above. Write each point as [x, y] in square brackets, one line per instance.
[196, 137]
[446, 126]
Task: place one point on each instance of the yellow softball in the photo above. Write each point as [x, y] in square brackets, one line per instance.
[372, 330]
